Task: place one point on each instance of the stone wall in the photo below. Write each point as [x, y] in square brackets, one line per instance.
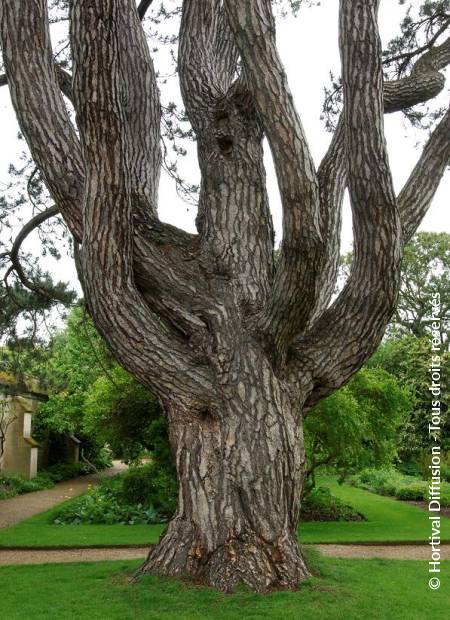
[20, 454]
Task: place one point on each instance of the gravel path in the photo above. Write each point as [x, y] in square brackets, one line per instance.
[71, 555]
[44, 556]
[23, 506]
[389, 552]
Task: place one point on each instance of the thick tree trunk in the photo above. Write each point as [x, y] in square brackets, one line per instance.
[240, 473]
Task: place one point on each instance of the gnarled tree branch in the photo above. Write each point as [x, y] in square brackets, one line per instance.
[295, 286]
[423, 84]
[43, 117]
[13, 255]
[420, 188]
[233, 219]
[35, 89]
[346, 334]
[137, 337]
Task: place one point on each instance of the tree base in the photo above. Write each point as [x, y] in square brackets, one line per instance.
[245, 560]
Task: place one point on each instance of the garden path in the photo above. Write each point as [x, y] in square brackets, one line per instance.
[44, 556]
[23, 506]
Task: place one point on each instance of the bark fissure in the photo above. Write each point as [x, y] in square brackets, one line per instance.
[240, 471]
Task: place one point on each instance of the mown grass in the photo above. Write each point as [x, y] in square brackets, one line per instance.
[340, 589]
[388, 520]
[39, 531]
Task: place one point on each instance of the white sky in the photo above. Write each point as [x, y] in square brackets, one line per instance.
[309, 49]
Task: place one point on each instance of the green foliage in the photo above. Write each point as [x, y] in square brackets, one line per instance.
[126, 416]
[127, 499]
[65, 471]
[23, 360]
[153, 483]
[408, 358]
[105, 505]
[92, 396]
[140, 495]
[76, 362]
[321, 505]
[15, 484]
[102, 458]
[357, 426]
[393, 483]
[425, 272]
[22, 310]
[381, 481]
[416, 491]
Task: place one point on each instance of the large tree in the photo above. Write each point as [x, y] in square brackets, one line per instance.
[236, 346]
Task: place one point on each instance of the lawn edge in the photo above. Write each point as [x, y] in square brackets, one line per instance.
[357, 543]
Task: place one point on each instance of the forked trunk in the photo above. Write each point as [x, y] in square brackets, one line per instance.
[193, 317]
[240, 472]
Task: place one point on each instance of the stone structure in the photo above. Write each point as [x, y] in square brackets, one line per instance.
[20, 450]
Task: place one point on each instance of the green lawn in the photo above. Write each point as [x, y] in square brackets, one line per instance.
[38, 531]
[388, 521]
[341, 589]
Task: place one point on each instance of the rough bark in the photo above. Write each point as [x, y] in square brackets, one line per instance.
[236, 346]
[295, 286]
[240, 473]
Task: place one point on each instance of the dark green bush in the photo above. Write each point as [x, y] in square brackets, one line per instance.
[65, 471]
[102, 505]
[105, 505]
[417, 491]
[16, 484]
[391, 482]
[410, 469]
[321, 505]
[101, 458]
[152, 484]
[445, 472]
[380, 481]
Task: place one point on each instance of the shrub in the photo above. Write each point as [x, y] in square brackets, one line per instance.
[410, 469]
[16, 484]
[445, 495]
[150, 484]
[321, 505]
[381, 481]
[391, 482]
[417, 491]
[104, 505]
[65, 471]
[5, 491]
[102, 458]
[445, 472]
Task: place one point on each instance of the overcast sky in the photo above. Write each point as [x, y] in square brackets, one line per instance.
[308, 46]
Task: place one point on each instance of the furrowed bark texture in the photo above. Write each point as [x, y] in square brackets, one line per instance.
[236, 345]
[240, 472]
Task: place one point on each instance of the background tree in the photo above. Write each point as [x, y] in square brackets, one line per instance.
[123, 414]
[90, 395]
[408, 358]
[358, 425]
[425, 272]
[237, 349]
